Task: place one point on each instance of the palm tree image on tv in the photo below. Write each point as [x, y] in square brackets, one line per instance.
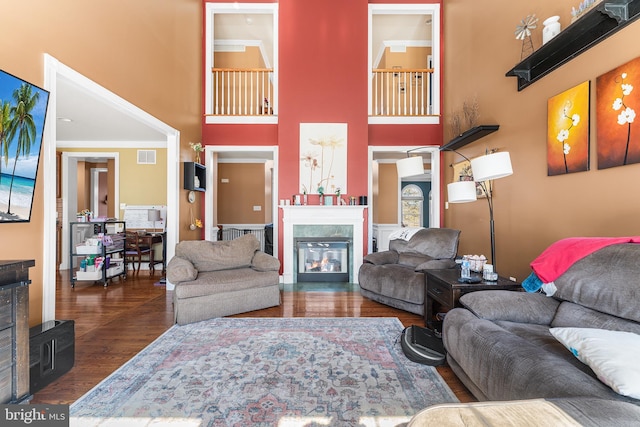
[23, 109]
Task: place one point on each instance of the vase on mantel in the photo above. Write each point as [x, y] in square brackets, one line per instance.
[197, 157]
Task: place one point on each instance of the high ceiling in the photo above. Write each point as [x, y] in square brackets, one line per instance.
[82, 116]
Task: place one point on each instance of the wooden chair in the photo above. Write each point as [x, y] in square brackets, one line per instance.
[138, 249]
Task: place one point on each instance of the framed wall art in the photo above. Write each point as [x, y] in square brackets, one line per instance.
[23, 108]
[323, 158]
[617, 101]
[568, 131]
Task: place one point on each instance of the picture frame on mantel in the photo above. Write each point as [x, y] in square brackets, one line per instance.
[323, 158]
[25, 105]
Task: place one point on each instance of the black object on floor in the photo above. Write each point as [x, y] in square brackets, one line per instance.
[51, 352]
[421, 345]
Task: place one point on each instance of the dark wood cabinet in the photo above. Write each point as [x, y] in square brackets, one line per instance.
[14, 330]
[443, 289]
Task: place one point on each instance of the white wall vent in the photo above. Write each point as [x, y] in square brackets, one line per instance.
[146, 157]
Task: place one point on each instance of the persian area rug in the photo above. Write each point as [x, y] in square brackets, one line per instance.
[267, 372]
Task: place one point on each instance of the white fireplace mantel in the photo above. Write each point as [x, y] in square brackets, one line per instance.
[321, 215]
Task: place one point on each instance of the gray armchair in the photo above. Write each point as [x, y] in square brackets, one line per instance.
[216, 279]
[396, 277]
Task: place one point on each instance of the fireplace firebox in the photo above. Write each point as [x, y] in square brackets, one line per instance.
[322, 259]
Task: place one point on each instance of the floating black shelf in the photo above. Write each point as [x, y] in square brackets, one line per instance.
[191, 171]
[590, 29]
[470, 136]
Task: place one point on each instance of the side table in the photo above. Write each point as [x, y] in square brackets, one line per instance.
[442, 287]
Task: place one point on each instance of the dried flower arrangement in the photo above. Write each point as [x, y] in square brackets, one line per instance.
[460, 122]
[582, 8]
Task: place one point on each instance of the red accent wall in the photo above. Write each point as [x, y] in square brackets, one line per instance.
[322, 78]
[322, 74]
[240, 134]
[405, 134]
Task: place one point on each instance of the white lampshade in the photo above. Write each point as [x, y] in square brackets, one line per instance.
[462, 192]
[492, 166]
[153, 215]
[410, 166]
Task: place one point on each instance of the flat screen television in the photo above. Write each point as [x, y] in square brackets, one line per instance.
[23, 110]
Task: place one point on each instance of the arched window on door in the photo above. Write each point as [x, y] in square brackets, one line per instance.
[412, 203]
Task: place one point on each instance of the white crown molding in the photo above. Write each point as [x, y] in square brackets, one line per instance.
[111, 144]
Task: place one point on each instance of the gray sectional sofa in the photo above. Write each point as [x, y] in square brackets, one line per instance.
[222, 278]
[501, 344]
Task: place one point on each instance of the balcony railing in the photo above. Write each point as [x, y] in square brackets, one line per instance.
[402, 92]
[250, 92]
[242, 92]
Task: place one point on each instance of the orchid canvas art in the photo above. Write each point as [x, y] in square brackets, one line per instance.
[323, 158]
[568, 131]
[617, 103]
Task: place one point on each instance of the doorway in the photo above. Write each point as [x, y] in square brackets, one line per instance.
[103, 104]
[70, 186]
[216, 154]
[389, 155]
[100, 192]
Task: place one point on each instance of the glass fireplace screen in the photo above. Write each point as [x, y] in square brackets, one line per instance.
[322, 260]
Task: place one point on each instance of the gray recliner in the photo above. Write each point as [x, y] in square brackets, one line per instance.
[396, 277]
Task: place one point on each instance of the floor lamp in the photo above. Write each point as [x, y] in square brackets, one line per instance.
[485, 168]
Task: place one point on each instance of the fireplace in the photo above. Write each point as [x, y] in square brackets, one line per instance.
[322, 259]
[345, 222]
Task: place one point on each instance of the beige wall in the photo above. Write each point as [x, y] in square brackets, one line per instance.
[532, 210]
[414, 57]
[139, 184]
[386, 198]
[146, 51]
[250, 58]
[244, 190]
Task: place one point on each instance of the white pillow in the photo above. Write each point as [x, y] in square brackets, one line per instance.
[612, 355]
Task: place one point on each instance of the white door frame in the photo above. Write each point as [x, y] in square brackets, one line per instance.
[52, 70]
[434, 207]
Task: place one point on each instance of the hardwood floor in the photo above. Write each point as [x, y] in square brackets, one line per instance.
[112, 324]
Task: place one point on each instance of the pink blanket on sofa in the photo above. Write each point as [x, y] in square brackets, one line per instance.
[561, 255]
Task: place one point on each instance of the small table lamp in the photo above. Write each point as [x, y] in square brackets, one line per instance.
[154, 215]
